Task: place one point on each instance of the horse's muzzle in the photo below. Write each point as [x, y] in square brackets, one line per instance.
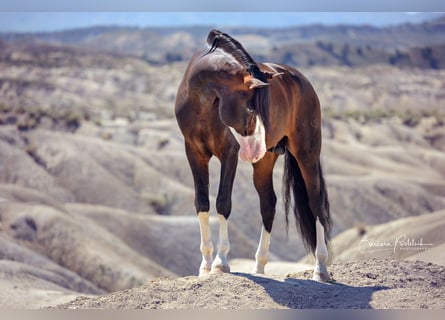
[253, 147]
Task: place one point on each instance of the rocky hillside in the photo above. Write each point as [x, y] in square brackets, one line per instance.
[407, 45]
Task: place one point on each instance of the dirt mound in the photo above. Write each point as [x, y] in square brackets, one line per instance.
[365, 284]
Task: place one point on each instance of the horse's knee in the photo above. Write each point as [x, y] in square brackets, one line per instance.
[202, 204]
[224, 205]
[268, 223]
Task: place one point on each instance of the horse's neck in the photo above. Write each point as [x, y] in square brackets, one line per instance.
[215, 68]
[210, 76]
[221, 61]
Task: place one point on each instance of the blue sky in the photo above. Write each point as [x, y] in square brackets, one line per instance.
[222, 5]
[53, 15]
[54, 21]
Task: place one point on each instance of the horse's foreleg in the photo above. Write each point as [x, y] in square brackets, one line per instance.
[263, 181]
[224, 207]
[220, 263]
[206, 246]
[200, 170]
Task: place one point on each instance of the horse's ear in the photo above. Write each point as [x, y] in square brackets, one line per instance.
[254, 83]
[271, 75]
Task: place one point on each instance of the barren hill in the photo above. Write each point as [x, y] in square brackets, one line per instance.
[413, 45]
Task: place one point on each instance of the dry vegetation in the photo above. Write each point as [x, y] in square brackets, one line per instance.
[96, 194]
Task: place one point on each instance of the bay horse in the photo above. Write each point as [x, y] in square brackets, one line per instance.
[227, 106]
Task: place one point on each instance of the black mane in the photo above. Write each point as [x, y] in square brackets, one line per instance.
[217, 39]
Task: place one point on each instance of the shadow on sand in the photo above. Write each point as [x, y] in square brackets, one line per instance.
[307, 294]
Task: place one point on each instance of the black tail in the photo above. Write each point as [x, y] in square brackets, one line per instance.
[294, 187]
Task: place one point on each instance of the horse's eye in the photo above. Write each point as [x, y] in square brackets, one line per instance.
[250, 110]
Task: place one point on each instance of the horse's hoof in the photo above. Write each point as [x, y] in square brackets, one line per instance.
[257, 270]
[322, 277]
[203, 273]
[220, 268]
[204, 269]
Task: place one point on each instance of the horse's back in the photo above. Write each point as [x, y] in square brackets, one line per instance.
[292, 74]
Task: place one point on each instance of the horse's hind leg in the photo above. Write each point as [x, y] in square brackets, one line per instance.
[199, 163]
[263, 181]
[229, 163]
[321, 255]
[317, 198]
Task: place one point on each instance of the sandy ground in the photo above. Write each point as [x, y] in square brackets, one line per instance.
[378, 284]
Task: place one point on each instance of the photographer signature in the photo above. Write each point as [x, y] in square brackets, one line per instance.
[400, 242]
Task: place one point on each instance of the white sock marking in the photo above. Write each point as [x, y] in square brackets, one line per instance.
[220, 263]
[262, 253]
[206, 243]
[321, 255]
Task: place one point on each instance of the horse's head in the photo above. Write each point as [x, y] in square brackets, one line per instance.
[244, 94]
[242, 106]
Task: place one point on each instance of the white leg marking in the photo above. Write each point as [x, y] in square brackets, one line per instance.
[321, 255]
[220, 263]
[262, 253]
[206, 243]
